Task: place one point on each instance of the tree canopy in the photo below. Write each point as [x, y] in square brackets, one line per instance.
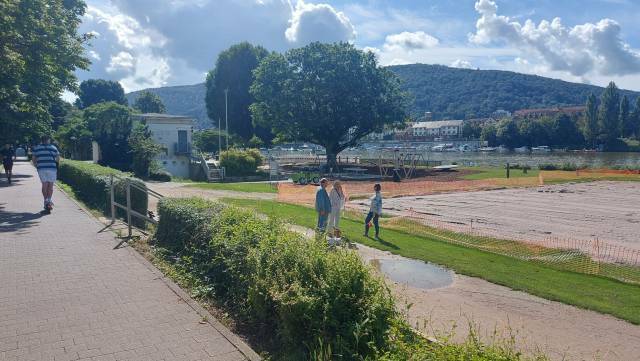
[233, 73]
[40, 49]
[327, 94]
[147, 102]
[608, 115]
[94, 91]
[110, 125]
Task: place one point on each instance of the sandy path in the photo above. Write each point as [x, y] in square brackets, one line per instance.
[560, 331]
[182, 190]
[609, 211]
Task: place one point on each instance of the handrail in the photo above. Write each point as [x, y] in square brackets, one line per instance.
[127, 207]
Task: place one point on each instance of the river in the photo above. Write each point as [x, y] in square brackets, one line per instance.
[591, 160]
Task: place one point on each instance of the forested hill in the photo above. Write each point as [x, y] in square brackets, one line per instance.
[181, 100]
[449, 93]
[466, 93]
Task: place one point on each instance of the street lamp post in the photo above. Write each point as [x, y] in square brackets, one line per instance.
[219, 137]
[226, 115]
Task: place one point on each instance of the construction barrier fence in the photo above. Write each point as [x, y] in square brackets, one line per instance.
[594, 256]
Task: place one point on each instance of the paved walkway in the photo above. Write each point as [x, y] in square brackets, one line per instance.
[65, 294]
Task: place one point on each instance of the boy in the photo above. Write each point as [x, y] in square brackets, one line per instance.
[375, 210]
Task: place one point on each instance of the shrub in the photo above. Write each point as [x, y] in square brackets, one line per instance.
[160, 175]
[307, 297]
[565, 166]
[90, 183]
[240, 162]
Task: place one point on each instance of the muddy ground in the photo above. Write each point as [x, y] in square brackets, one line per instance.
[608, 211]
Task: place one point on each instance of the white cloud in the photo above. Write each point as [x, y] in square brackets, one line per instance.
[134, 54]
[318, 22]
[121, 62]
[463, 64]
[410, 41]
[94, 55]
[579, 50]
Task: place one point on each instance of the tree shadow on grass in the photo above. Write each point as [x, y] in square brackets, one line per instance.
[17, 221]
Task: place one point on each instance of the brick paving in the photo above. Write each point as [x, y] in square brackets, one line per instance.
[66, 294]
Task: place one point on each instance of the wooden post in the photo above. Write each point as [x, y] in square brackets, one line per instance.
[112, 196]
[129, 206]
[507, 170]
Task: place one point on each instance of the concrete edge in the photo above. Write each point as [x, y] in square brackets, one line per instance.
[247, 351]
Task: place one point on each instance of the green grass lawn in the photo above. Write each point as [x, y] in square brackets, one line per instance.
[497, 172]
[586, 291]
[238, 187]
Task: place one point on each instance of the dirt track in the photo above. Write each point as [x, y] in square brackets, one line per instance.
[560, 331]
[609, 211]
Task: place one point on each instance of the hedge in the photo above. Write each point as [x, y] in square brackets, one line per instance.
[311, 300]
[240, 162]
[90, 183]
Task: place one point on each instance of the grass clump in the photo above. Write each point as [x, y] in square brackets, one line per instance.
[238, 187]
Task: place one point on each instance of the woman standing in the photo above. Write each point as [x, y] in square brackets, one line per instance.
[337, 198]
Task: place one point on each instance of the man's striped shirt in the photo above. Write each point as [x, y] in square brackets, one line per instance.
[45, 156]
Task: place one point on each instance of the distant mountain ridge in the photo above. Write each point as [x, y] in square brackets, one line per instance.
[449, 93]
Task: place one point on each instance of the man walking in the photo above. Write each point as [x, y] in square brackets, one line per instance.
[323, 205]
[46, 156]
[7, 154]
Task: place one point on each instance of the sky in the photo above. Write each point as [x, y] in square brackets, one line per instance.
[154, 43]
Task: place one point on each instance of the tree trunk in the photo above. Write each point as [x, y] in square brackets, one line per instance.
[332, 163]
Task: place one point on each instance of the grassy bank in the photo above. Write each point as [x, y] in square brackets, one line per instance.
[238, 187]
[590, 292]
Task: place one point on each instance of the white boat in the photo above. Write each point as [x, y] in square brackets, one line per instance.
[444, 168]
[488, 149]
[524, 149]
[438, 148]
[541, 149]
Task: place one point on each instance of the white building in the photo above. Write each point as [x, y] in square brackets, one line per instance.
[173, 133]
[443, 128]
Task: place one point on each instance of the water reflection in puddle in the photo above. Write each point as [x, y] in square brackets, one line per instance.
[414, 273]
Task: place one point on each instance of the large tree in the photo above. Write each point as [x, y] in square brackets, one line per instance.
[608, 115]
[148, 102]
[590, 128]
[507, 133]
[635, 119]
[327, 94]
[74, 135]
[40, 49]
[94, 91]
[110, 125]
[625, 120]
[233, 73]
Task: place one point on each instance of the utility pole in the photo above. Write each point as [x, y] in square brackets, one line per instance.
[226, 115]
[219, 137]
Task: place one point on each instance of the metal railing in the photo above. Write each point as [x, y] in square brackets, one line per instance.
[130, 212]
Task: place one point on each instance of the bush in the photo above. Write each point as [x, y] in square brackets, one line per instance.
[239, 163]
[564, 166]
[90, 183]
[309, 299]
[160, 175]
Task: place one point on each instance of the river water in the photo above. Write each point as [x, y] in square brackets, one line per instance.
[592, 160]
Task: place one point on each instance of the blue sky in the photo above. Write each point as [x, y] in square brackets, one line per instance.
[152, 43]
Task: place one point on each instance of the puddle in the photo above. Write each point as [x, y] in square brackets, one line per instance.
[414, 273]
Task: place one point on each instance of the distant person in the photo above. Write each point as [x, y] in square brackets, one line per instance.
[337, 198]
[8, 155]
[46, 157]
[323, 205]
[375, 210]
